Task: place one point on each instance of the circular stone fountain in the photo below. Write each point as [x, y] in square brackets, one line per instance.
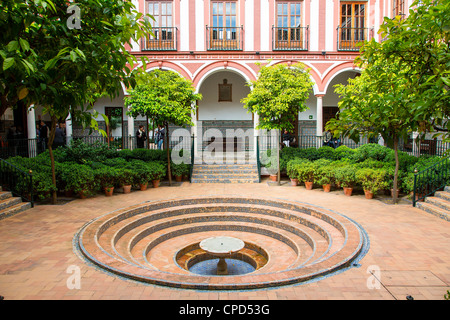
[286, 242]
[222, 247]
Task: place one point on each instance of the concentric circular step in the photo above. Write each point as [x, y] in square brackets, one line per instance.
[158, 242]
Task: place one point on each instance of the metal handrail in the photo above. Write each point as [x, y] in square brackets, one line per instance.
[13, 178]
[350, 39]
[224, 38]
[290, 38]
[162, 39]
[431, 179]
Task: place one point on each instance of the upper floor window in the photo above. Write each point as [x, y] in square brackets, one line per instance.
[288, 34]
[398, 8]
[352, 29]
[224, 33]
[164, 33]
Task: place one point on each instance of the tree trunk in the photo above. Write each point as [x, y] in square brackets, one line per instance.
[51, 138]
[394, 194]
[169, 173]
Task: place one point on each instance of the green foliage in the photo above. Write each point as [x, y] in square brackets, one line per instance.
[325, 174]
[106, 176]
[180, 169]
[345, 176]
[79, 177]
[293, 165]
[278, 95]
[306, 171]
[164, 96]
[157, 170]
[372, 179]
[143, 171]
[125, 177]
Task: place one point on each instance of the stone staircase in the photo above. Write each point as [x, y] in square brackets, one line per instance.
[225, 172]
[438, 205]
[10, 205]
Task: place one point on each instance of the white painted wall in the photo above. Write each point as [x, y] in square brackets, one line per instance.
[210, 108]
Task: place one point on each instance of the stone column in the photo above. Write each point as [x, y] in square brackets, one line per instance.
[131, 131]
[255, 134]
[31, 132]
[319, 121]
[194, 128]
[69, 129]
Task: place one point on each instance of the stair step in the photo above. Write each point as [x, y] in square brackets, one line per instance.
[9, 202]
[443, 194]
[434, 210]
[14, 209]
[439, 202]
[5, 195]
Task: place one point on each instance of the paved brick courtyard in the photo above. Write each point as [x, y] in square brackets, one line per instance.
[408, 255]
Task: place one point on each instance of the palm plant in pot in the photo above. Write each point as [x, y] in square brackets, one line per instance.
[372, 180]
[346, 178]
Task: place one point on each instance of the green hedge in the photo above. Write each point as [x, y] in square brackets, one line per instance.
[341, 165]
[92, 168]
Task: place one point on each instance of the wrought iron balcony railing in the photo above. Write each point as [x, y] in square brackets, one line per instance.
[350, 39]
[290, 38]
[224, 38]
[163, 39]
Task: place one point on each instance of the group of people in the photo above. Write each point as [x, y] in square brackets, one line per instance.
[42, 133]
[328, 139]
[141, 136]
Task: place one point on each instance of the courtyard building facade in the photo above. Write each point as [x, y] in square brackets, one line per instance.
[220, 45]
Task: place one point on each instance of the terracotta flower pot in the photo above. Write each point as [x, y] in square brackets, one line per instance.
[109, 191]
[348, 191]
[143, 186]
[178, 178]
[368, 194]
[273, 177]
[155, 183]
[82, 194]
[326, 187]
[309, 185]
[294, 182]
[127, 188]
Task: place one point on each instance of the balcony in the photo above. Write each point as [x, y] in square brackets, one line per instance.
[290, 38]
[224, 38]
[163, 39]
[351, 39]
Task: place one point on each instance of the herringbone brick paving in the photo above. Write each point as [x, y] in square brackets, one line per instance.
[408, 252]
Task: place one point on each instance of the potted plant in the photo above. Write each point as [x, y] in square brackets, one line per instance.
[125, 179]
[346, 178]
[157, 172]
[325, 177]
[372, 180]
[106, 177]
[291, 169]
[178, 170]
[306, 172]
[79, 178]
